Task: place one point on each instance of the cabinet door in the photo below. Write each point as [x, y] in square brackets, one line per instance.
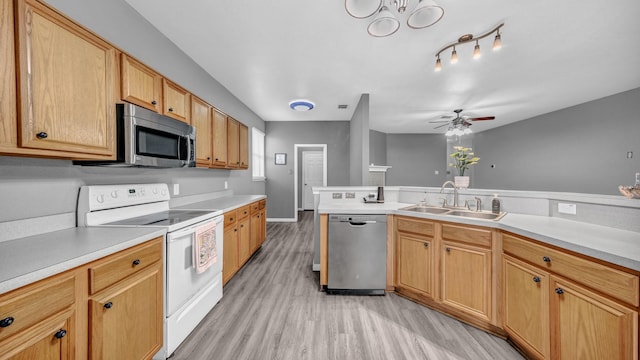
[201, 120]
[176, 101]
[52, 339]
[263, 226]
[140, 85]
[233, 133]
[128, 318]
[66, 85]
[230, 263]
[526, 306]
[243, 146]
[219, 139]
[589, 326]
[466, 279]
[8, 97]
[415, 263]
[256, 231]
[244, 240]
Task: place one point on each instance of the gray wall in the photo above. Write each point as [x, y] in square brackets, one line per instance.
[414, 159]
[377, 148]
[281, 138]
[359, 146]
[578, 149]
[37, 187]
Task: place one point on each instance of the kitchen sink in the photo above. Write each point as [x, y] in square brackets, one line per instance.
[455, 212]
[426, 209]
[477, 214]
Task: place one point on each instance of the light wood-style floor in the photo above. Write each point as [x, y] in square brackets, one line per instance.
[273, 309]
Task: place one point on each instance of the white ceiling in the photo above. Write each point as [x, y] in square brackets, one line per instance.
[555, 54]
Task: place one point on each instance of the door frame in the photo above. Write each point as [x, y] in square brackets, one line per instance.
[296, 171]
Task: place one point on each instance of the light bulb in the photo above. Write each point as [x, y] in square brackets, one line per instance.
[438, 64]
[449, 133]
[476, 51]
[454, 56]
[467, 131]
[458, 132]
[497, 43]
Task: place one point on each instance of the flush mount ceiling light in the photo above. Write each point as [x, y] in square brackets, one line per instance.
[467, 38]
[424, 14]
[301, 105]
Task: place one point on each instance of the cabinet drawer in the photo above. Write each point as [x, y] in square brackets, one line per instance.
[230, 218]
[610, 281]
[263, 204]
[35, 303]
[255, 207]
[114, 268]
[466, 234]
[416, 226]
[244, 211]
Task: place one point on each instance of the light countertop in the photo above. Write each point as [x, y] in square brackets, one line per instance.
[26, 260]
[620, 247]
[29, 259]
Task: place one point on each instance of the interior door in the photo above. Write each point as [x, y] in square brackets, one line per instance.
[312, 175]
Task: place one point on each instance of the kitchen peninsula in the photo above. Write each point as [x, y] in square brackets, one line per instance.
[529, 275]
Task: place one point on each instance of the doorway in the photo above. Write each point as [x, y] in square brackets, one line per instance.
[316, 173]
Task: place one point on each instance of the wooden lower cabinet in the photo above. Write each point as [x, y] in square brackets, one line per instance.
[132, 306]
[60, 317]
[551, 314]
[244, 233]
[466, 278]
[526, 307]
[589, 326]
[415, 263]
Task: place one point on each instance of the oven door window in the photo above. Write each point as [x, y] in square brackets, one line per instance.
[159, 144]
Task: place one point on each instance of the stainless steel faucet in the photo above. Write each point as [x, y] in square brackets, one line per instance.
[478, 204]
[455, 192]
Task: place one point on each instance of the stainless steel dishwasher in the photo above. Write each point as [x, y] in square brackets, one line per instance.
[357, 262]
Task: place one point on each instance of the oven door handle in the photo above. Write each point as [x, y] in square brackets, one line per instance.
[191, 229]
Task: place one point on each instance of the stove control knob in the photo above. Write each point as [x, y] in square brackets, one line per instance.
[141, 191]
[154, 190]
[114, 194]
[100, 198]
[163, 192]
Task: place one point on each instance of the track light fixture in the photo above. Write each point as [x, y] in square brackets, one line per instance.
[425, 13]
[497, 44]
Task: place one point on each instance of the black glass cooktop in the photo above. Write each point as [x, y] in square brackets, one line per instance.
[163, 218]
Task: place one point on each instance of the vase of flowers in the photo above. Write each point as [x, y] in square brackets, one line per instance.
[463, 157]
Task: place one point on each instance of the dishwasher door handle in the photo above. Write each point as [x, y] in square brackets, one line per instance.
[360, 223]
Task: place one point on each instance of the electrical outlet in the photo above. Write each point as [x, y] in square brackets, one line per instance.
[337, 195]
[176, 189]
[564, 208]
[437, 172]
[226, 184]
[350, 195]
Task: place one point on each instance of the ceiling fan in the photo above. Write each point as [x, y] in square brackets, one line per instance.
[460, 124]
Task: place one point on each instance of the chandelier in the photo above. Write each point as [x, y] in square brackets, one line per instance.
[385, 23]
[467, 38]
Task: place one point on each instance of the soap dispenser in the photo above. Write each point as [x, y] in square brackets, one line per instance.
[495, 204]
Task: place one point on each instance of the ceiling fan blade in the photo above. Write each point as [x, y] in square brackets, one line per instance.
[482, 118]
[439, 126]
[439, 121]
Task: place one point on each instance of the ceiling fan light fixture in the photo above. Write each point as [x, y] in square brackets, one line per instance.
[476, 51]
[426, 13]
[467, 131]
[449, 132]
[301, 105]
[384, 24]
[361, 9]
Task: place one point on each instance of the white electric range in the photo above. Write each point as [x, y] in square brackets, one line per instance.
[189, 295]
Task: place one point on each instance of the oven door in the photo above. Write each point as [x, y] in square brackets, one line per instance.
[183, 282]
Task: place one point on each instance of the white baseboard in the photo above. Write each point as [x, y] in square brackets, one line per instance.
[281, 220]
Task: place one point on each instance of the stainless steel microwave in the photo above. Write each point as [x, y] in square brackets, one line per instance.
[146, 138]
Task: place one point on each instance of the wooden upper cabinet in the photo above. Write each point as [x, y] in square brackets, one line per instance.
[176, 102]
[219, 139]
[140, 85]
[233, 147]
[243, 146]
[67, 84]
[8, 99]
[202, 121]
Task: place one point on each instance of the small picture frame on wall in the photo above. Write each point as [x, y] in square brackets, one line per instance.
[281, 159]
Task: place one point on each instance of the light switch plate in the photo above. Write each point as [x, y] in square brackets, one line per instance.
[350, 195]
[337, 195]
[564, 208]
